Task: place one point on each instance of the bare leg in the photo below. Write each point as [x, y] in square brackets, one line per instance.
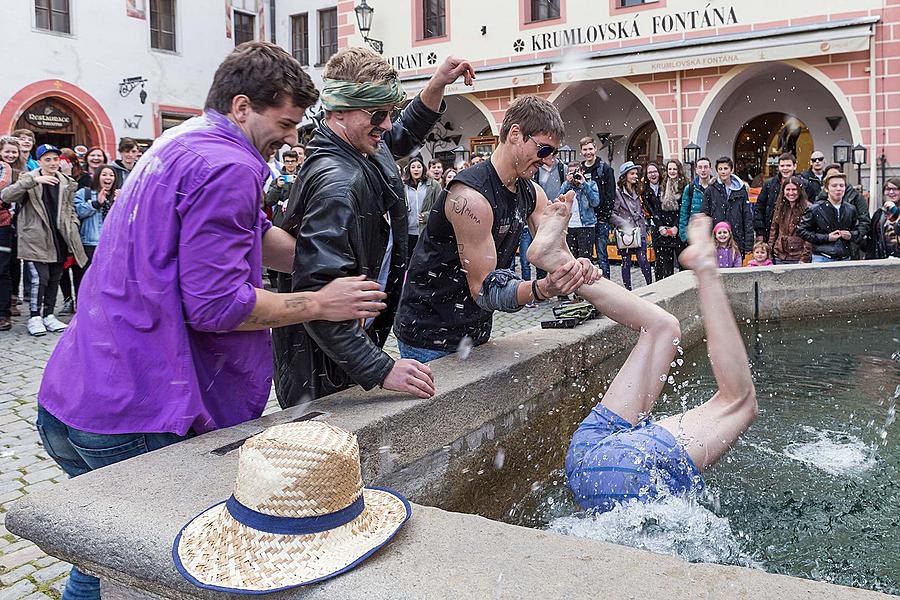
[639, 382]
[711, 429]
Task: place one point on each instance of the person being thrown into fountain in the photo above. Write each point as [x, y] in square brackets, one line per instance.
[618, 453]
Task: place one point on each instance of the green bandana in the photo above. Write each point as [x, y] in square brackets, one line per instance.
[352, 95]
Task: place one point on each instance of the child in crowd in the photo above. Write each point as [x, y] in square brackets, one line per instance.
[728, 254]
[762, 257]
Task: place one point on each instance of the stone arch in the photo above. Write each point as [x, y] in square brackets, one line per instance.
[87, 107]
[729, 83]
[566, 95]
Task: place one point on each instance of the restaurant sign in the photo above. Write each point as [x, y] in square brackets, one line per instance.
[48, 117]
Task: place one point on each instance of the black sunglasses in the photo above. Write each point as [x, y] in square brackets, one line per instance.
[543, 150]
[817, 158]
[378, 117]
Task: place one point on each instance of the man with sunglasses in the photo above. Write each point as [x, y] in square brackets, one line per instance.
[347, 209]
[459, 273]
[815, 174]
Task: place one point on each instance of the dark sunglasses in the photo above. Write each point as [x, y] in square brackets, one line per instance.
[817, 158]
[378, 117]
[543, 150]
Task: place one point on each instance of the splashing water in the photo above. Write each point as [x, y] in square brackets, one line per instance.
[670, 525]
[835, 452]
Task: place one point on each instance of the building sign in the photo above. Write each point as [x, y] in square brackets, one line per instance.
[415, 60]
[48, 117]
[630, 28]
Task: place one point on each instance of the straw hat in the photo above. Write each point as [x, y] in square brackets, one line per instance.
[299, 514]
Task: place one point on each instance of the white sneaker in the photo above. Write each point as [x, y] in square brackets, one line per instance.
[36, 327]
[53, 324]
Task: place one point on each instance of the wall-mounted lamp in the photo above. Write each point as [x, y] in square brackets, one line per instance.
[364, 14]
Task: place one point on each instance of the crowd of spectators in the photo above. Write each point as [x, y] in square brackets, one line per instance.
[638, 212]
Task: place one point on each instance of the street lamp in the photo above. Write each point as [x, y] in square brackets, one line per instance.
[859, 159]
[566, 154]
[691, 154]
[364, 20]
[840, 152]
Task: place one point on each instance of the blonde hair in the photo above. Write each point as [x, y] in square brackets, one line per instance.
[359, 65]
[762, 246]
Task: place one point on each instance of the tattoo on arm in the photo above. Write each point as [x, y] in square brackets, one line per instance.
[461, 207]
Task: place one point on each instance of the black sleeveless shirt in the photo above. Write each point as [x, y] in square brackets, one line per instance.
[436, 308]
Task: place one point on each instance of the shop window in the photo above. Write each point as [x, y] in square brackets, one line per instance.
[763, 139]
[52, 15]
[300, 38]
[435, 18]
[328, 39]
[483, 145]
[244, 24]
[543, 10]
[162, 24]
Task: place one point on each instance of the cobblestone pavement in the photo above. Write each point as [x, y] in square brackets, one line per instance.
[26, 572]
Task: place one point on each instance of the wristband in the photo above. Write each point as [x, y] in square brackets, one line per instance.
[534, 290]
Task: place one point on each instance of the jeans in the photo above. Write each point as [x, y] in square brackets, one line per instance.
[602, 230]
[524, 242]
[642, 261]
[44, 286]
[78, 452]
[822, 258]
[423, 355]
[6, 259]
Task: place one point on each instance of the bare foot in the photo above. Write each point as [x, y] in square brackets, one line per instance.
[700, 255]
[548, 250]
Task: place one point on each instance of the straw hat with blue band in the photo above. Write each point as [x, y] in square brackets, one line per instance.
[299, 514]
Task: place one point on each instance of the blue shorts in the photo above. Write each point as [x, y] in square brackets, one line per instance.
[611, 461]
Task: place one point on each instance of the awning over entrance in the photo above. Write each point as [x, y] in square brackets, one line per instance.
[785, 43]
[488, 79]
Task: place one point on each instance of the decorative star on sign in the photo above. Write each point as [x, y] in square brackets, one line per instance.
[518, 45]
[432, 58]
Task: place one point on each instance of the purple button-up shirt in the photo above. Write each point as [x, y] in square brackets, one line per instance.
[153, 347]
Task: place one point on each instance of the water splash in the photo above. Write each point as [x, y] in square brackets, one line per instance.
[835, 452]
[671, 525]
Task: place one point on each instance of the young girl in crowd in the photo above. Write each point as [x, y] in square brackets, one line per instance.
[761, 255]
[449, 175]
[92, 204]
[94, 159]
[727, 251]
[628, 218]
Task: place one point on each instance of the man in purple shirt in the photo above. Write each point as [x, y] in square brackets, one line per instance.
[172, 336]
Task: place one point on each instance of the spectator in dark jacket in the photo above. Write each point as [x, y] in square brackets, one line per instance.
[726, 200]
[832, 225]
[852, 196]
[885, 237]
[665, 208]
[692, 197]
[766, 201]
[815, 174]
[280, 190]
[348, 210]
[129, 152]
[599, 172]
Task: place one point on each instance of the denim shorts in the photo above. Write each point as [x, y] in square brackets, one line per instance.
[611, 461]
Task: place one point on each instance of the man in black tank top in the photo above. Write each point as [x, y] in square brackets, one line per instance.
[458, 274]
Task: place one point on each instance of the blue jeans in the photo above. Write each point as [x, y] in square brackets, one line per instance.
[78, 452]
[423, 355]
[524, 242]
[822, 258]
[602, 229]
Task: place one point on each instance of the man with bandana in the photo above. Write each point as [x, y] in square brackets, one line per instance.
[348, 211]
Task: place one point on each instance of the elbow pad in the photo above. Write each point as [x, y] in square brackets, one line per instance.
[499, 292]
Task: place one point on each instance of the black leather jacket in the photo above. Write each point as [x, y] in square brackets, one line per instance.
[337, 211]
[821, 219]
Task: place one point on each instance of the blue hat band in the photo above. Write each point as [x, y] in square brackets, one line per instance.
[293, 525]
